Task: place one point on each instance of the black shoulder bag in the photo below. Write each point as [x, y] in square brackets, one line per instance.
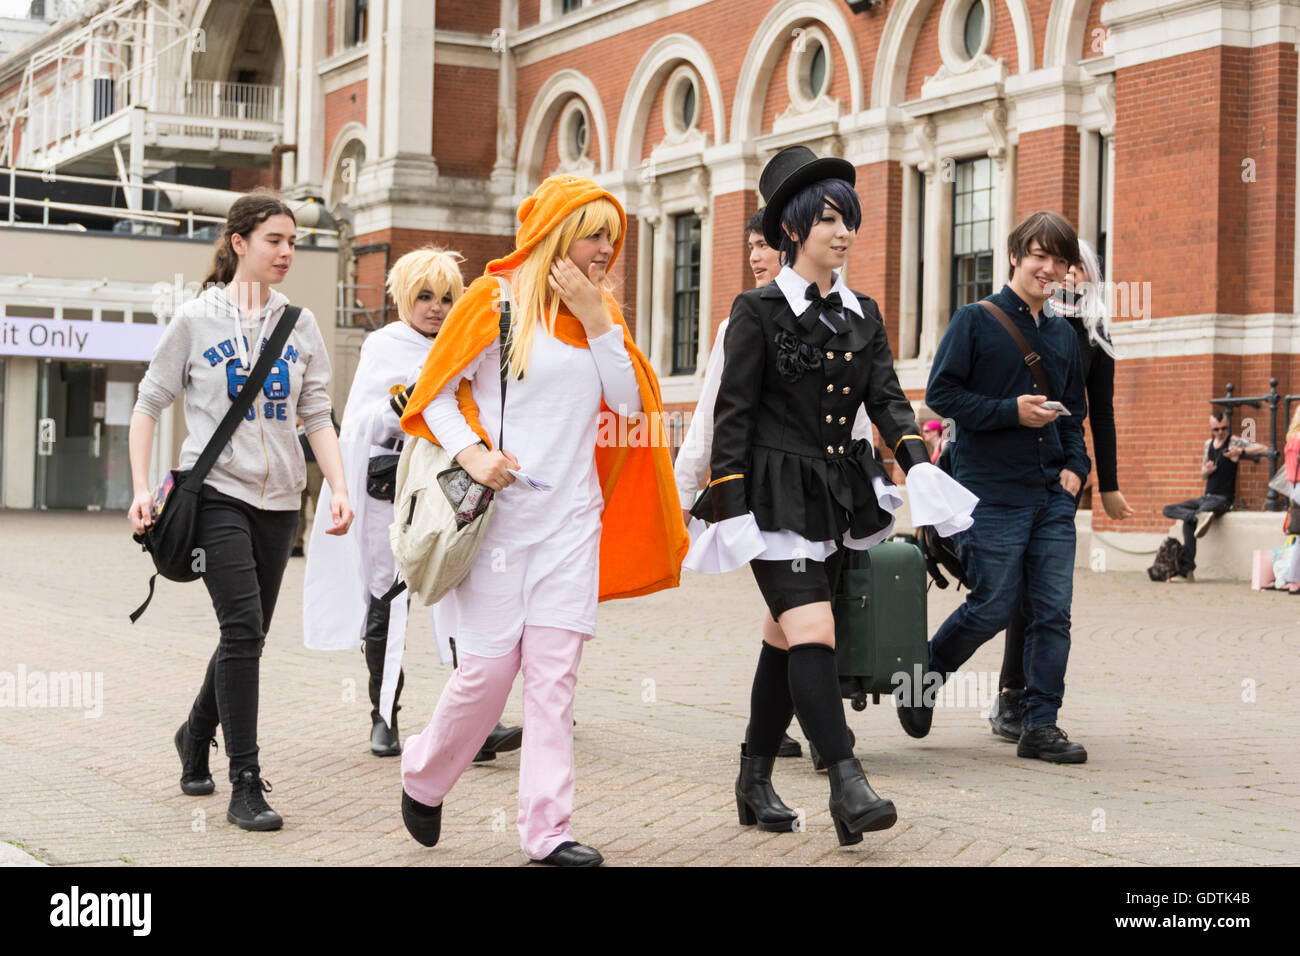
[175, 512]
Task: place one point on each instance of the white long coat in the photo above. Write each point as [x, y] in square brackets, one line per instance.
[343, 571]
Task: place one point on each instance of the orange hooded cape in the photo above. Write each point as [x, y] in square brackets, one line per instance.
[643, 539]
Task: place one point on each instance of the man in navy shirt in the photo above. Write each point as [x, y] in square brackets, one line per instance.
[1027, 463]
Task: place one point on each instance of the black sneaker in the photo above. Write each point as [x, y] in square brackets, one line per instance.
[248, 808]
[196, 779]
[1005, 719]
[1050, 743]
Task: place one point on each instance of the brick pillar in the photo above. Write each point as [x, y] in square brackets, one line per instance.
[731, 273]
[1047, 163]
[875, 262]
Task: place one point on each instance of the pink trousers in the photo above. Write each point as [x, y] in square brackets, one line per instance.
[470, 706]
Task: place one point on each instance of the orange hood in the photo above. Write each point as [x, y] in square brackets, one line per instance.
[643, 539]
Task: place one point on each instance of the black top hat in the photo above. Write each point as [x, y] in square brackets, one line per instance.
[788, 172]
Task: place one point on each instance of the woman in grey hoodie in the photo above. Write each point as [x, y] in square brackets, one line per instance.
[249, 510]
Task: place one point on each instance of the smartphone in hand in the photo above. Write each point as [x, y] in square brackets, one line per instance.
[1055, 407]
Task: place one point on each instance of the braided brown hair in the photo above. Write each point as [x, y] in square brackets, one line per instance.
[246, 214]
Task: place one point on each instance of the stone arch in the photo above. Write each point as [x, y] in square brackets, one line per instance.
[658, 61]
[898, 39]
[1065, 25]
[766, 48]
[542, 115]
[352, 132]
[220, 45]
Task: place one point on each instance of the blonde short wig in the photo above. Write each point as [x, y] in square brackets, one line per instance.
[437, 270]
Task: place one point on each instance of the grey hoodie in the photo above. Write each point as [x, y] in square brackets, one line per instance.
[205, 351]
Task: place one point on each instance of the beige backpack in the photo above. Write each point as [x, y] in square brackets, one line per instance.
[433, 555]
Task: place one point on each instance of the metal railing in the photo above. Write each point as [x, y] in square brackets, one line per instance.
[219, 100]
[1229, 402]
[172, 218]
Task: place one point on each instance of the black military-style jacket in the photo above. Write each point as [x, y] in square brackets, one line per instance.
[790, 388]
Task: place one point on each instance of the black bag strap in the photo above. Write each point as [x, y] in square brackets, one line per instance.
[504, 304]
[239, 407]
[1032, 358]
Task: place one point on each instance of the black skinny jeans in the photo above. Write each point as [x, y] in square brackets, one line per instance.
[245, 550]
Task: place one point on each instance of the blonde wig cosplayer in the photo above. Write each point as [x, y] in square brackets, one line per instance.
[535, 301]
[427, 268]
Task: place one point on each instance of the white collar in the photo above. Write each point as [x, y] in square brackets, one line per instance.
[794, 287]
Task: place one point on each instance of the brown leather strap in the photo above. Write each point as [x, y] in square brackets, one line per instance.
[1032, 358]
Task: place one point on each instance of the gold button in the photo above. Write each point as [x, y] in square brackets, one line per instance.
[848, 356]
[842, 419]
[830, 450]
[845, 390]
[841, 449]
[828, 419]
[830, 355]
[830, 388]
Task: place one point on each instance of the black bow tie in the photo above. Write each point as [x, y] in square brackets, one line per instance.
[829, 306]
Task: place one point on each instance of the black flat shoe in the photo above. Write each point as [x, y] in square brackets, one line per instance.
[501, 740]
[422, 822]
[1005, 719]
[1050, 743]
[789, 747]
[916, 720]
[383, 739]
[196, 779]
[248, 808]
[573, 854]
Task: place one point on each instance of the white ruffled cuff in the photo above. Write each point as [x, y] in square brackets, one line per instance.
[890, 500]
[937, 500]
[724, 545]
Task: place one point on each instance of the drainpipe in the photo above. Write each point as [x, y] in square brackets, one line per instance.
[277, 164]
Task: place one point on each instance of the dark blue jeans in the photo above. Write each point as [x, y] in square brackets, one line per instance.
[1007, 548]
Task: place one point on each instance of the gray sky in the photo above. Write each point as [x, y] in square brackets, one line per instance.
[14, 8]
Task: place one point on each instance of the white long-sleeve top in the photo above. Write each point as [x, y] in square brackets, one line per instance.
[539, 561]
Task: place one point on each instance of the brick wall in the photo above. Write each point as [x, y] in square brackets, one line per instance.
[874, 262]
[469, 16]
[464, 99]
[926, 58]
[477, 249]
[1269, 201]
[345, 105]
[1094, 33]
[1047, 172]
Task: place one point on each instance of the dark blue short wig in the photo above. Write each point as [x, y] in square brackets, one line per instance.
[804, 210]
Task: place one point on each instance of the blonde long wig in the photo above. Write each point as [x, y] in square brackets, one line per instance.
[535, 303]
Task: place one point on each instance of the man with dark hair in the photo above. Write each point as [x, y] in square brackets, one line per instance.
[1219, 460]
[764, 261]
[1017, 399]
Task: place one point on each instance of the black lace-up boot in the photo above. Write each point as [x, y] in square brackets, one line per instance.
[196, 779]
[248, 808]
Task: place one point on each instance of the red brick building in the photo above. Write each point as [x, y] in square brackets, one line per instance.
[1167, 131]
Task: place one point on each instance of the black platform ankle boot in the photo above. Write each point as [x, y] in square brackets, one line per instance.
[196, 779]
[248, 808]
[854, 806]
[384, 741]
[756, 801]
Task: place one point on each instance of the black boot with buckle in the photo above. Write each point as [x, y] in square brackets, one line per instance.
[756, 801]
[248, 808]
[384, 740]
[196, 779]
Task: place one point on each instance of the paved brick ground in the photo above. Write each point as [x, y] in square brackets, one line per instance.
[1187, 765]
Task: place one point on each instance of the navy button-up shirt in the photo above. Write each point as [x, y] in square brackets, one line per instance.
[978, 373]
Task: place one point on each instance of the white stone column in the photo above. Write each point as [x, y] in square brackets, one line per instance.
[503, 170]
[408, 79]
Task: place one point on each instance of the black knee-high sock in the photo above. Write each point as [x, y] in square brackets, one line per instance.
[770, 706]
[815, 690]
